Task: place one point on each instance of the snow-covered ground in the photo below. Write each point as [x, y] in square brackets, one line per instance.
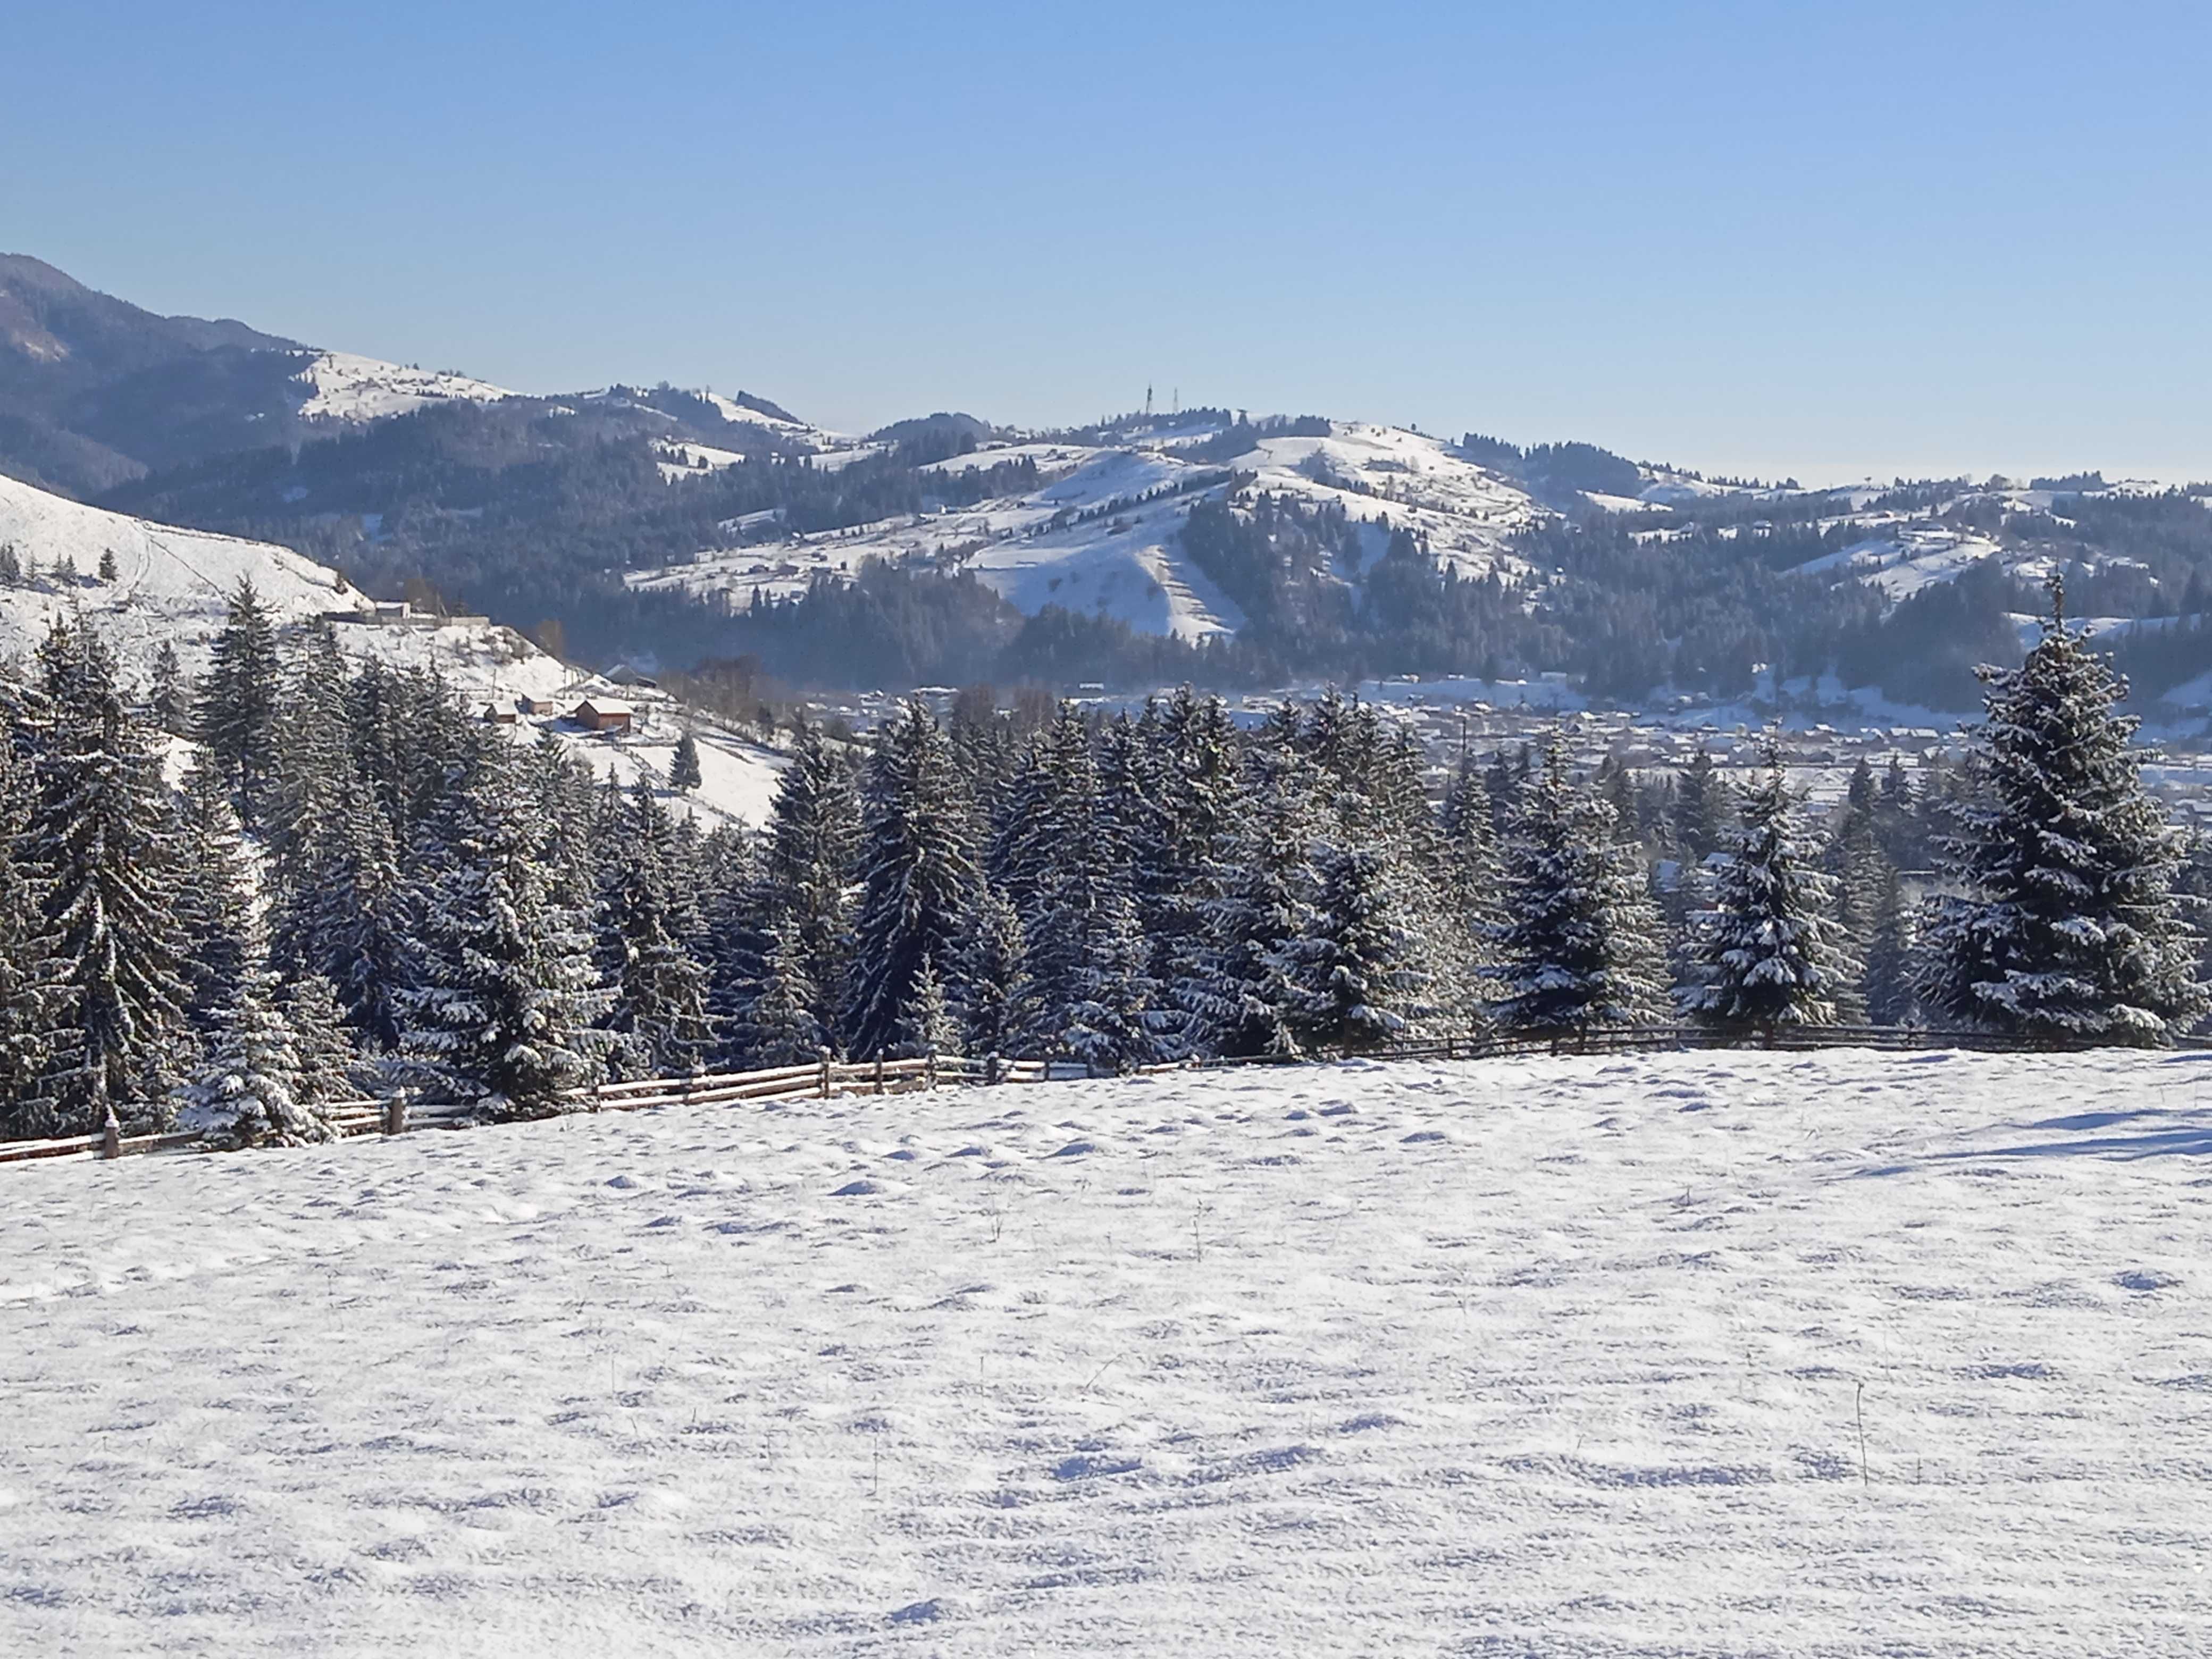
[343, 386]
[174, 585]
[1564, 1356]
[1085, 541]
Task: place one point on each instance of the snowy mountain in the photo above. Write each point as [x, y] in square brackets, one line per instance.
[172, 585]
[1097, 531]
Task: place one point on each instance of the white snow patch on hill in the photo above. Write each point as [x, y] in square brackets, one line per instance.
[348, 387]
[174, 585]
[1549, 1358]
[170, 584]
[1084, 538]
[688, 460]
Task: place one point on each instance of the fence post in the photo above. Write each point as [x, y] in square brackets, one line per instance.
[110, 1136]
[879, 1071]
[1451, 1049]
[929, 1070]
[991, 1068]
[825, 1073]
[395, 1113]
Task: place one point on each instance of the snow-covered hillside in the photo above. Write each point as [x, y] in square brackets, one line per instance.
[1099, 532]
[173, 585]
[1832, 1354]
[344, 387]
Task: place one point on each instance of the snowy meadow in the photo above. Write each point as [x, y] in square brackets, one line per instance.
[1703, 1354]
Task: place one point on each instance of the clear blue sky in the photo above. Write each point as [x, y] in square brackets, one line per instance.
[1762, 238]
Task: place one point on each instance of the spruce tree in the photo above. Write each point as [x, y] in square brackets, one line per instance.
[168, 704]
[1703, 810]
[1102, 1014]
[100, 830]
[34, 996]
[918, 876]
[236, 713]
[320, 1042]
[1886, 985]
[928, 1024]
[990, 987]
[807, 860]
[1579, 945]
[659, 1009]
[772, 1021]
[503, 1016]
[1768, 954]
[1472, 880]
[1235, 991]
[683, 773]
[209, 896]
[1351, 971]
[2066, 928]
[344, 911]
[248, 1091]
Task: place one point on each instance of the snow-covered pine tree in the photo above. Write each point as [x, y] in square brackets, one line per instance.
[33, 997]
[807, 860]
[247, 1093]
[1852, 859]
[1049, 804]
[772, 1020]
[314, 753]
[683, 773]
[502, 1017]
[1234, 990]
[1886, 985]
[168, 704]
[1579, 947]
[660, 1006]
[1472, 874]
[917, 871]
[345, 913]
[321, 1043]
[236, 711]
[209, 896]
[928, 1024]
[1103, 1016]
[1769, 953]
[1197, 771]
[2068, 929]
[1062, 861]
[990, 988]
[1351, 973]
[1703, 810]
[100, 829]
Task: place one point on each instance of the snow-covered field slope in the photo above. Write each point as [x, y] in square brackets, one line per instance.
[174, 585]
[1561, 1357]
[169, 583]
[343, 386]
[1100, 532]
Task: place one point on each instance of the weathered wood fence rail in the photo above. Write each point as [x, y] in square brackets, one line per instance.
[827, 1077]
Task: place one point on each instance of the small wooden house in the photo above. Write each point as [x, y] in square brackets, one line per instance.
[603, 714]
[499, 713]
[537, 705]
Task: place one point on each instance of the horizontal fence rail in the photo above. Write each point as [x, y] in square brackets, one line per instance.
[825, 1079]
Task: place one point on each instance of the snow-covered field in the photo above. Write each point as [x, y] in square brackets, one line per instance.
[174, 585]
[1544, 1358]
[344, 386]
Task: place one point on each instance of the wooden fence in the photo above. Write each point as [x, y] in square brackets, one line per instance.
[826, 1078]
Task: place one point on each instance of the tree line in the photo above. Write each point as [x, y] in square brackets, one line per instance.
[356, 884]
